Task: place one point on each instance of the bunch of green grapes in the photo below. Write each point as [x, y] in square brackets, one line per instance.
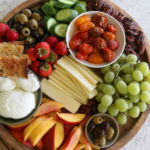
[126, 88]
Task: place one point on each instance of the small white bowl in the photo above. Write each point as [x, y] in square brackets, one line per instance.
[120, 36]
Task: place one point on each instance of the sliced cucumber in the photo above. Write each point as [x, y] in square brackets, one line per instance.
[80, 8]
[83, 3]
[66, 15]
[48, 22]
[60, 30]
[64, 3]
[48, 9]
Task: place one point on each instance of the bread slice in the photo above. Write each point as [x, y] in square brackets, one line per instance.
[14, 66]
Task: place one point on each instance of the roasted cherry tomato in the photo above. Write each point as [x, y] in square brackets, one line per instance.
[86, 26]
[85, 48]
[81, 56]
[82, 35]
[82, 19]
[108, 54]
[75, 43]
[90, 40]
[109, 36]
[95, 58]
[113, 44]
[96, 31]
[111, 28]
[100, 43]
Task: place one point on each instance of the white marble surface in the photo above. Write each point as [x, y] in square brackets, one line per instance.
[140, 10]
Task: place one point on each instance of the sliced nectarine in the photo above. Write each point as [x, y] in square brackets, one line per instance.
[39, 145]
[80, 147]
[72, 139]
[27, 131]
[69, 118]
[48, 107]
[40, 130]
[59, 134]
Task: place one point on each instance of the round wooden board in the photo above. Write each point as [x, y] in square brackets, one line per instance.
[127, 132]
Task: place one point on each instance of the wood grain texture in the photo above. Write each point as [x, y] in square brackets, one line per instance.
[127, 132]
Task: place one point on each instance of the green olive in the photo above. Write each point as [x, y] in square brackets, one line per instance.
[29, 40]
[25, 31]
[27, 12]
[102, 141]
[40, 31]
[23, 19]
[98, 120]
[16, 18]
[110, 133]
[33, 24]
[36, 16]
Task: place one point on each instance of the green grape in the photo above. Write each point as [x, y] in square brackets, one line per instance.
[109, 89]
[142, 106]
[101, 108]
[137, 75]
[134, 98]
[100, 87]
[128, 69]
[122, 119]
[148, 75]
[106, 100]
[130, 104]
[148, 102]
[133, 88]
[99, 96]
[116, 68]
[122, 87]
[145, 96]
[131, 58]
[143, 67]
[109, 77]
[121, 105]
[134, 112]
[105, 70]
[127, 78]
[113, 111]
[122, 59]
[145, 86]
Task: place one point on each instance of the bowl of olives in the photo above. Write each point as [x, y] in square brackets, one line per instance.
[28, 23]
[102, 130]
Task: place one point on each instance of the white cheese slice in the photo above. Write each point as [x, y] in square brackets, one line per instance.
[57, 95]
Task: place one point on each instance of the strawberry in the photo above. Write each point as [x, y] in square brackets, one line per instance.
[52, 58]
[12, 35]
[7, 28]
[1, 40]
[31, 53]
[3, 29]
[42, 50]
[45, 70]
[61, 48]
[35, 65]
[52, 41]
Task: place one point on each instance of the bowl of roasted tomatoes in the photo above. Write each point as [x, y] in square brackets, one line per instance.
[95, 39]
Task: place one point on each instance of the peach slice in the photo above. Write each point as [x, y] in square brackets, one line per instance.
[72, 139]
[49, 139]
[48, 107]
[27, 131]
[69, 118]
[80, 147]
[39, 145]
[40, 130]
[59, 134]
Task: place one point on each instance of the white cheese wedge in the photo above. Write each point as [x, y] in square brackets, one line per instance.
[57, 95]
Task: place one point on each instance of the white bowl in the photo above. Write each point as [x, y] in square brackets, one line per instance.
[120, 36]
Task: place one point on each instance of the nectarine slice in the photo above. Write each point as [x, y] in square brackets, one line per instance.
[80, 147]
[72, 139]
[27, 131]
[69, 118]
[39, 145]
[59, 134]
[40, 130]
[48, 107]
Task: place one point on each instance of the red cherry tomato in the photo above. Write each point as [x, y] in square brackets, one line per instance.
[113, 44]
[83, 35]
[109, 36]
[108, 54]
[111, 28]
[100, 43]
[81, 56]
[85, 48]
[75, 43]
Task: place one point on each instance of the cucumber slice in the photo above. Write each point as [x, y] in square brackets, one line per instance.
[64, 3]
[60, 30]
[80, 8]
[66, 15]
[48, 9]
[83, 3]
[48, 22]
